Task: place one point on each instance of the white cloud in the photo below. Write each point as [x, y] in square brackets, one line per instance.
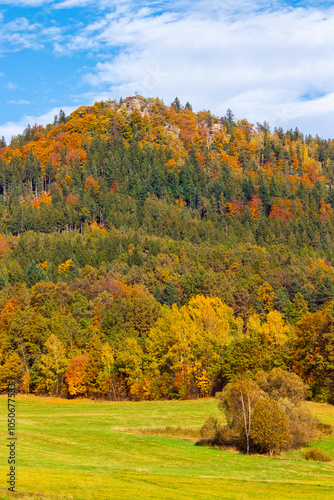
[18, 101]
[10, 86]
[10, 129]
[258, 57]
[26, 3]
[255, 64]
[23, 33]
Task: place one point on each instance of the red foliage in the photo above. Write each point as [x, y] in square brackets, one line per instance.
[277, 212]
[235, 207]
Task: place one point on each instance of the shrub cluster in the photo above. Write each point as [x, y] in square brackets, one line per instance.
[317, 455]
[264, 415]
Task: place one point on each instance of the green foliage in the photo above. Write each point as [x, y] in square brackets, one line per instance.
[122, 207]
[270, 426]
[280, 384]
[169, 295]
[266, 415]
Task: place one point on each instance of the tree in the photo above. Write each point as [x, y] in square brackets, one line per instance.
[270, 426]
[313, 351]
[274, 330]
[266, 296]
[75, 375]
[297, 309]
[281, 384]
[158, 295]
[11, 369]
[237, 401]
[229, 117]
[52, 366]
[170, 296]
[62, 117]
[176, 104]
[243, 355]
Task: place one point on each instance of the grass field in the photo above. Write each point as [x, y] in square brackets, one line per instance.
[79, 450]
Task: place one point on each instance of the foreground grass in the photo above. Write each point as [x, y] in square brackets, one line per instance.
[79, 450]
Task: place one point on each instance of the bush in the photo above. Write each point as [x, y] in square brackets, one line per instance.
[325, 429]
[317, 455]
[225, 436]
[209, 428]
[270, 426]
[302, 426]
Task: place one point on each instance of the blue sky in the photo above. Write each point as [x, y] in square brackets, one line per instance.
[266, 60]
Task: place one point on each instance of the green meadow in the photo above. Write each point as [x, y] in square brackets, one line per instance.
[97, 450]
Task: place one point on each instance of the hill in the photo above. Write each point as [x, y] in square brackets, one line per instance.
[110, 216]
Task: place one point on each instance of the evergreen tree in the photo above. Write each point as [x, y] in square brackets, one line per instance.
[170, 296]
[158, 295]
[176, 104]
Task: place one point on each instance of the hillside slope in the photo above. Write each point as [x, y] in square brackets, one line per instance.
[110, 216]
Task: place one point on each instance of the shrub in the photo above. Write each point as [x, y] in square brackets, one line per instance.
[209, 428]
[302, 426]
[225, 436]
[317, 455]
[325, 429]
[270, 426]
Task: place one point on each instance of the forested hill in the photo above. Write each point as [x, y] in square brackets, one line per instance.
[121, 207]
[171, 172]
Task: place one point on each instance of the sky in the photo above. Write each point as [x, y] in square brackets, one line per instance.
[265, 60]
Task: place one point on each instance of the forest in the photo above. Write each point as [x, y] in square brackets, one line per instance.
[150, 252]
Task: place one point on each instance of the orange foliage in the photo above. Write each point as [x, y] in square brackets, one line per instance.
[94, 227]
[8, 310]
[44, 265]
[231, 160]
[44, 198]
[4, 245]
[255, 206]
[295, 161]
[214, 175]
[171, 163]
[326, 212]
[92, 186]
[75, 375]
[71, 199]
[235, 207]
[281, 213]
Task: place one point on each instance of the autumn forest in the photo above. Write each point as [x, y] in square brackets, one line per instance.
[149, 252]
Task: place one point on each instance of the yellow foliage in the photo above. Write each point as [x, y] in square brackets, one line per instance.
[43, 198]
[266, 295]
[65, 267]
[274, 330]
[254, 328]
[94, 227]
[44, 265]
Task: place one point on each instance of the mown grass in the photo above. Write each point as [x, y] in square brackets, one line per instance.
[79, 450]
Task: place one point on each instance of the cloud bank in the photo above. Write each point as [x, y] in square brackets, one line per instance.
[266, 60]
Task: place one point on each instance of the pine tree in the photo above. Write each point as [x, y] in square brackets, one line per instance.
[170, 296]
[176, 104]
[158, 295]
